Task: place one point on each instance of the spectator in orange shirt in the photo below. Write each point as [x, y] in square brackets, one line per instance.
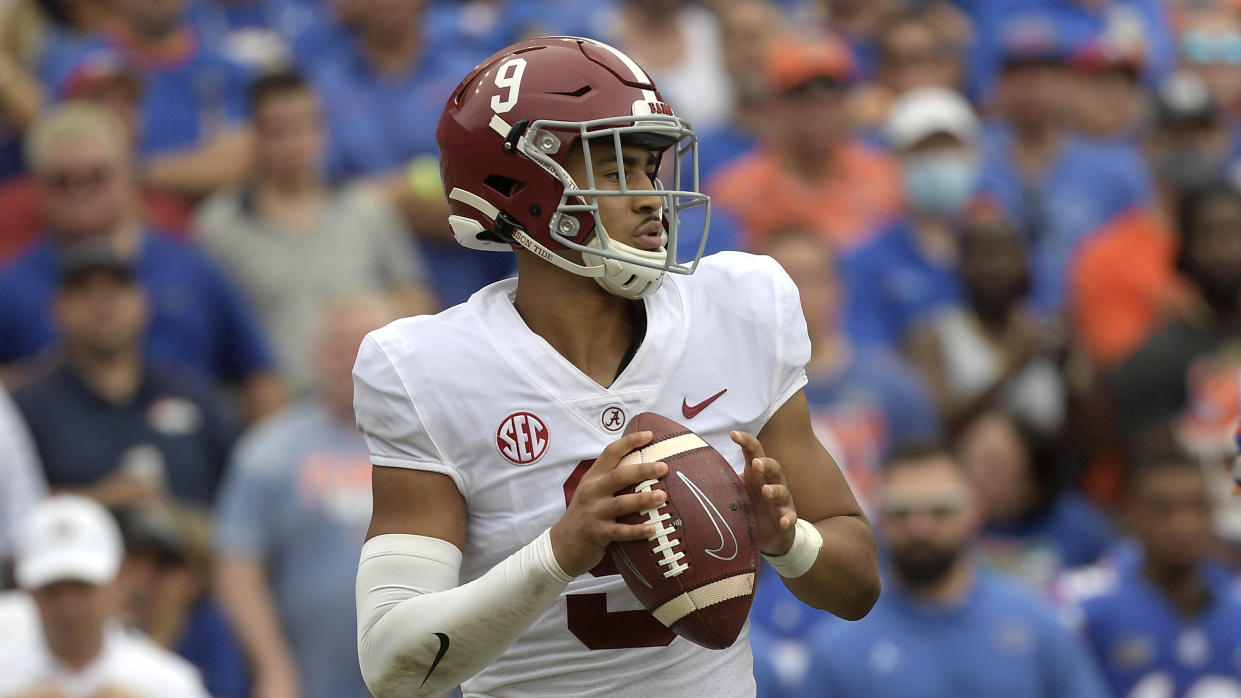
[810, 169]
[1122, 282]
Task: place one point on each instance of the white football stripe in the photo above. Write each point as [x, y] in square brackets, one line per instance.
[664, 449]
[499, 125]
[718, 591]
[638, 74]
[469, 198]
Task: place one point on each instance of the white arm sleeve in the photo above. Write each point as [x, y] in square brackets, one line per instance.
[420, 634]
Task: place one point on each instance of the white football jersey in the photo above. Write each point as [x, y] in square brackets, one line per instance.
[473, 393]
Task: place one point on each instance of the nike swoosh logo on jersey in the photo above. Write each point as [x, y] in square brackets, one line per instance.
[691, 411]
[717, 520]
[438, 656]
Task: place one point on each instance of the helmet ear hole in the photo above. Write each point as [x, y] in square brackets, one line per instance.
[504, 186]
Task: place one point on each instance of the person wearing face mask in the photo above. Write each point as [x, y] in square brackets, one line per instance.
[905, 274]
[1114, 307]
[944, 626]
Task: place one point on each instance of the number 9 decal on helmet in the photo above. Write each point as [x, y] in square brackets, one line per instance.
[504, 138]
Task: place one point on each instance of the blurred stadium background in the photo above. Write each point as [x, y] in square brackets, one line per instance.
[1015, 224]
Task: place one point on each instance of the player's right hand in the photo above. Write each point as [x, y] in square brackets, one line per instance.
[589, 524]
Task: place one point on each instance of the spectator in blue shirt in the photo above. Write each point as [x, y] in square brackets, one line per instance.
[1167, 620]
[1037, 525]
[1145, 23]
[864, 403]
[291, 520]
[943, 628]
[104, 421]
[192, 137]
[865, 400]
[901, 277]
[260, 34]
[482, 28]
[383, 90]
[197, 318]
[1056, 185]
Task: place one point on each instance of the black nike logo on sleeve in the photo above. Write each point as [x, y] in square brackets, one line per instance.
[438, 656]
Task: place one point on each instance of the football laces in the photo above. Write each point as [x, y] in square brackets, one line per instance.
[664, 536]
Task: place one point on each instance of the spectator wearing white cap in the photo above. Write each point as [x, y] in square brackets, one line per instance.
[68, 554]
[899, 278]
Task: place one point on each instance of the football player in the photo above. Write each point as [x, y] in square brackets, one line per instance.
[495, 427]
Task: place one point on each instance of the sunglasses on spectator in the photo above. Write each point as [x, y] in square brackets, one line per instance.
[1204, 49]
[941, 507]
[63, 181]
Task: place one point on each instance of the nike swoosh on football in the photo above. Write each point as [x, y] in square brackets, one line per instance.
[438, 656]
[717, 520]
[691, 411]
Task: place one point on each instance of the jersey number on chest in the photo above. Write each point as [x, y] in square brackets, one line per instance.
[589, 619]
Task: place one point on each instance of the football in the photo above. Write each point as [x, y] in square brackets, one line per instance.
[696, 574]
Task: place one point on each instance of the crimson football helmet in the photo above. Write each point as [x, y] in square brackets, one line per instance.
[504, 136]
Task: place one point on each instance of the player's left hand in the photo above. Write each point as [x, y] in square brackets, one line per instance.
[769, 491]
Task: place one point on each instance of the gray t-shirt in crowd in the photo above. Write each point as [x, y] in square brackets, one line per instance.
[358, 245]
[297, 496]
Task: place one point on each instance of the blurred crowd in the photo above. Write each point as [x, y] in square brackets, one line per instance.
[1015, 226]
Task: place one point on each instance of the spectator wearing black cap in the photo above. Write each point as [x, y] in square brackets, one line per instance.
[1187, 376]
[1115, 307]
[104, 421]
[83, 162]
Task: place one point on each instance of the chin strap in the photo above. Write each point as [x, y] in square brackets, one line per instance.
[467, 231]
[595, 271]
[626, 279]
[618, 277]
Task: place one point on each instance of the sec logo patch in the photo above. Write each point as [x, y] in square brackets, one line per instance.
[522, 438]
